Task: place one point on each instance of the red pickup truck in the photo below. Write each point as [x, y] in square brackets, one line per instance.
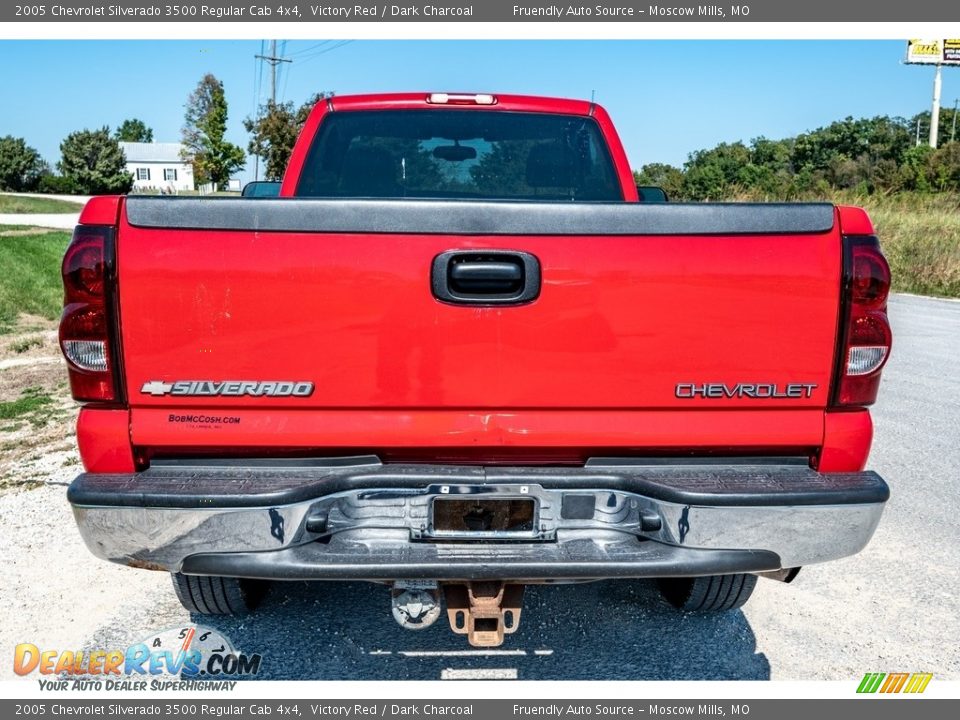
[461, 353]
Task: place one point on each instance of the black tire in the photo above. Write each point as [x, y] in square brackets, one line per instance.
[713, 593]
[218, 595]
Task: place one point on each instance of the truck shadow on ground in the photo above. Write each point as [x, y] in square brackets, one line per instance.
[615, 630]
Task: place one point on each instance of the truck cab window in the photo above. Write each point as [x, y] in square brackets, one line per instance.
[459, 154]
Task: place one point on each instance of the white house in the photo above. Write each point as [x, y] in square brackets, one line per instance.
[157, 167]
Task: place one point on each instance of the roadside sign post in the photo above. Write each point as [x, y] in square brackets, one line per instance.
[935, 110]
[939, 53]
[953, 130]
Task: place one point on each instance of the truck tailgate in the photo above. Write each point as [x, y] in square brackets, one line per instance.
[648, 328]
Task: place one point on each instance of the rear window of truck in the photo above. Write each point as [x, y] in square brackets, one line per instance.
[473, 154]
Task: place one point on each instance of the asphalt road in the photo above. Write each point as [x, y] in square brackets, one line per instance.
[894, 607]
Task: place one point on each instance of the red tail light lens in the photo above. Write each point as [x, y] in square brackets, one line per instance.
[86, 326]
[83, 267]
[865, 336]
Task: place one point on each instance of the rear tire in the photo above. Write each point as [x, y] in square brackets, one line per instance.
[218, 595]
[713, 593]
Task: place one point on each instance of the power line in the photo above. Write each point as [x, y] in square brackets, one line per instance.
[286, 80]
[324, 51]
[296, 53]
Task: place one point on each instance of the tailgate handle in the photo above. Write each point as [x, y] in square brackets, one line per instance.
[485, 277]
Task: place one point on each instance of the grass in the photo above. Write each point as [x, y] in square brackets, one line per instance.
[30, 281]
[21, 346]
[16, 205]
[30, 403]
[920, 235]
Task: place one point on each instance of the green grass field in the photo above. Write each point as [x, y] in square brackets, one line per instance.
[26, 205]
[30, 281]
[920, 235]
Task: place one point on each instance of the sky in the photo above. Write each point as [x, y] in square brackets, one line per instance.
[667, 98]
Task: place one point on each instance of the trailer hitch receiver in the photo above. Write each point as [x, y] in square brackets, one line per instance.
[484, 611]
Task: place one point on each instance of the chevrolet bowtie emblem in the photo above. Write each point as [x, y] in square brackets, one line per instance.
[156, 387]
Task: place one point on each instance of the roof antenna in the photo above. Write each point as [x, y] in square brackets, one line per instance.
[592, 95]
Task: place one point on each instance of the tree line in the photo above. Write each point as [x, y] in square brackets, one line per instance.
[866, 155]
[92, 162]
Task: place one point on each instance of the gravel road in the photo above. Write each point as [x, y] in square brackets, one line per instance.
[58, 221]
[894, 607]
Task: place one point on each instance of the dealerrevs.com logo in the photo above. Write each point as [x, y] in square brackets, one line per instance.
[169, 659]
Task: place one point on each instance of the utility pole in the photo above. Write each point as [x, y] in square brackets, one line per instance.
[935, 110]
[918, 132]
[273, 60]
[953, 130]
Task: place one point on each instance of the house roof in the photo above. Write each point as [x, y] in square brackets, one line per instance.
[152, 152]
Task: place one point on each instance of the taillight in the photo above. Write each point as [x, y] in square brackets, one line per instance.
[865, 336]
[86, 327]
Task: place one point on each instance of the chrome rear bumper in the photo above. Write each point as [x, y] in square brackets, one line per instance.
[360, 520]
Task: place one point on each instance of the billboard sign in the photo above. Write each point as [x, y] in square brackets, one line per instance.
[933, 52]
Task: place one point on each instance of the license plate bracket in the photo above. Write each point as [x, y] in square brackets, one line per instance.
[483, 517]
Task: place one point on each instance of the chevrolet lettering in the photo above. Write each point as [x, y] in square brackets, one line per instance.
[745, 390]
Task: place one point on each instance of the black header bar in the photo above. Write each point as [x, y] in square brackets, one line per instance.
[615, 11]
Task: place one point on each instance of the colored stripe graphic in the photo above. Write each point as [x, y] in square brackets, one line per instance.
[912, 683]
[870, 682]
[863, 683]
[894, 682]
[918, 682]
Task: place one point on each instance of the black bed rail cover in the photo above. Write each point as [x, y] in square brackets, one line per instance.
[466, 217]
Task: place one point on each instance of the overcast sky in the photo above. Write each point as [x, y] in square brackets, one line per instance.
[667, 98]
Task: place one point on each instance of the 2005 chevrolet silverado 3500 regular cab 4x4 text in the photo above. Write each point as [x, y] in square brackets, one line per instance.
[461, 353]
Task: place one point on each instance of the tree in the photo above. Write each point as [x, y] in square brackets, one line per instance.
[94, 161]
[945, 167]
[715, 174]
[274, 132]
[205, 125]
[134, 130]
[20, 165]
[661, 175]
[855, 153]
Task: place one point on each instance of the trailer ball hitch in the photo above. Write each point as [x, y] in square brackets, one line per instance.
[415, 608]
